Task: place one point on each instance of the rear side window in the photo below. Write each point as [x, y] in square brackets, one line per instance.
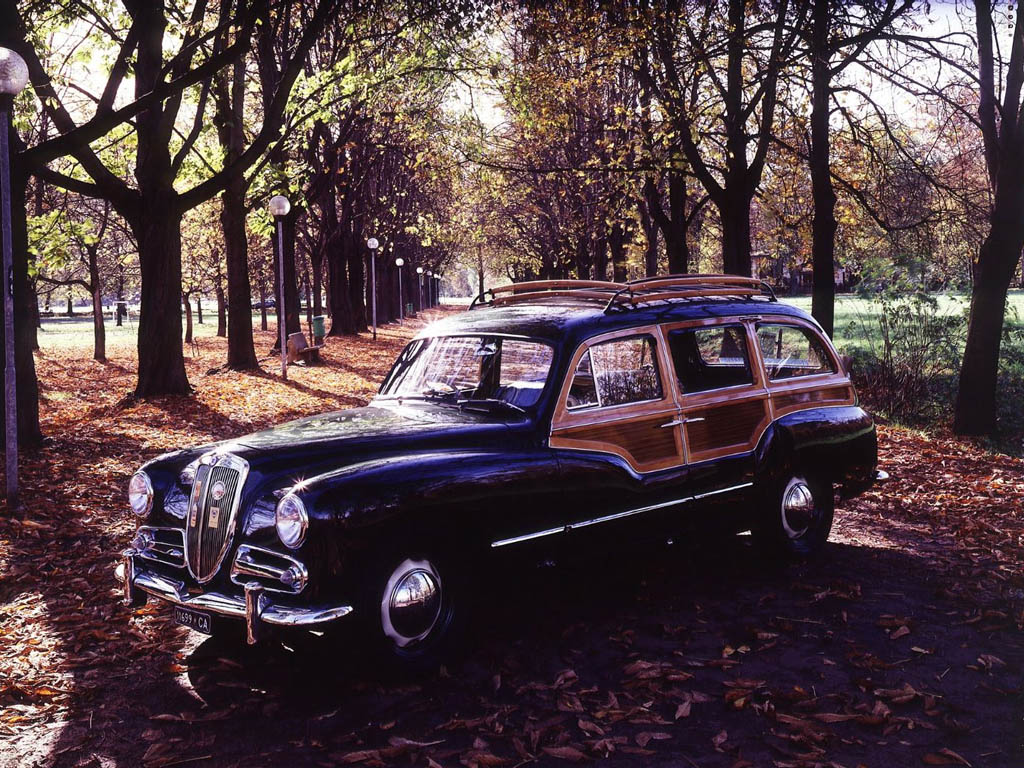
[790, 351]
[710, 358]
[616, 373]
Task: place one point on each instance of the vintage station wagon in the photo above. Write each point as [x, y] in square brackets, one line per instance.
[552, 417]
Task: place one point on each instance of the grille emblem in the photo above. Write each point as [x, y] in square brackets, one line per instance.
[218, 491]
[214, 516]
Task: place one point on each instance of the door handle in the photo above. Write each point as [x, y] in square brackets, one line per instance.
[680, 422]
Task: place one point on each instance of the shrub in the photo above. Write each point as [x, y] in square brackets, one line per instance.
[907, 362]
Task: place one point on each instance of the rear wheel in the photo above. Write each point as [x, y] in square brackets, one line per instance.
[796, 516]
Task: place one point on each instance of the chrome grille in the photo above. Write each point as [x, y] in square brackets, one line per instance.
[212, 508]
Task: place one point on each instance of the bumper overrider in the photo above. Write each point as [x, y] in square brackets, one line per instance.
[256, 608]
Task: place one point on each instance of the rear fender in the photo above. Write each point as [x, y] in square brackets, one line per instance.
[837, 444]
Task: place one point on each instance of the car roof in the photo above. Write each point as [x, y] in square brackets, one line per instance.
[566, 320]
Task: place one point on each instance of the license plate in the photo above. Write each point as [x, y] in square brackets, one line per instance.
[200, 622]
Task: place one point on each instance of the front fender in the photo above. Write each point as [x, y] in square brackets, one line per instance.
[413, 504]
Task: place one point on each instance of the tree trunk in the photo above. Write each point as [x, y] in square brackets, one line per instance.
[976, 398]
[823, 291]
[222, 317]
[679, 249]
[308, 288]
[480, 270]
[241, 350]
[71, 306]
[161, 362]
[617, 249]
[37, 320]
[98, 330]
[316, 262]
[356, 281]
[188, 318]
[734, 212]
[27, 397]
[121, 308]
[156, 221]
[229, 103]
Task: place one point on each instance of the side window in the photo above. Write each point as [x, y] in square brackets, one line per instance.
[615, 373]
[790, 351]
[710, 358]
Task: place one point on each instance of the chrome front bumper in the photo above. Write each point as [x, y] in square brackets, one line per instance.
[256, 608]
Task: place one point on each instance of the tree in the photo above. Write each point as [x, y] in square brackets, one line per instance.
[716, 51]
[161, 78]
[1001, 122]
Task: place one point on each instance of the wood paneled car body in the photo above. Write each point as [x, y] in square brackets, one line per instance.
[552, 417]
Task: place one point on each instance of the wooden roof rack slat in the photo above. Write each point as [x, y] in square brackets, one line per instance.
[626, 295]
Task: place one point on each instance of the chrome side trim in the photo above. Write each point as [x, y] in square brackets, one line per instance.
[528, 536]
[629, 513]
[175, 592]
[618, 515]
[739, 487]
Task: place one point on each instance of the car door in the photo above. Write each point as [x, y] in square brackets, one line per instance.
[724, 401]
[616, 434]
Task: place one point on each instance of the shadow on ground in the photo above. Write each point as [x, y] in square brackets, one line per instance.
[692, 655]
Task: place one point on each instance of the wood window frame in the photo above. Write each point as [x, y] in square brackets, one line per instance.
[736, 394]
[565, 420]
[798, 393]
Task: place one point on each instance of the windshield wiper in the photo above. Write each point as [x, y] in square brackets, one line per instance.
[491, 401]
[446, 396]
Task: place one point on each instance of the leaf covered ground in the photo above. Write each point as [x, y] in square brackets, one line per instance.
[902, 646]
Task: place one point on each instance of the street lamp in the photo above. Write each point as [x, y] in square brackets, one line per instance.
[373, 245]
[430, 288]
[419, 274]
[13, 77]
[279, 207]
[400, 262]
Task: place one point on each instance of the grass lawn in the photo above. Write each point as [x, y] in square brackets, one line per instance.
[856, 323]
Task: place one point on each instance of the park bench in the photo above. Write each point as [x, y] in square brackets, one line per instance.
[299, 349]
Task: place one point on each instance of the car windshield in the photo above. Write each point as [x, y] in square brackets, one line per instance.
[471, 370]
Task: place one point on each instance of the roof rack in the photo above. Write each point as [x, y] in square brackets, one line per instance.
[630, 294]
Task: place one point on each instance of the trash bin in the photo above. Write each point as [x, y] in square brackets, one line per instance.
[319, 327]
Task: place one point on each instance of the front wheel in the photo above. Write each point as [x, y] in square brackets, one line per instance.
[796, 517]
[415, 605]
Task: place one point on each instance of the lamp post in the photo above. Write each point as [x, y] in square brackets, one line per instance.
[430, 288]
[13, 77]
[372, 244]
[419, 274]
[279, 207]
[437, 289]
[400, 262]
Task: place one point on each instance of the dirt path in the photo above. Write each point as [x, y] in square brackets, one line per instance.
[902, 646]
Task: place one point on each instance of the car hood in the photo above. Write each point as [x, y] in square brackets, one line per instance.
[314, 445]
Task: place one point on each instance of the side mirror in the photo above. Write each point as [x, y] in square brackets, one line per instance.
[847, 362]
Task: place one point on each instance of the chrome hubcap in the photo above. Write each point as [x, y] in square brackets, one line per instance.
[411, 604]
[798, 510]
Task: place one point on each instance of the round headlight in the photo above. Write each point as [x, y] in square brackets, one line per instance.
[291, 521]
[140, 494]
